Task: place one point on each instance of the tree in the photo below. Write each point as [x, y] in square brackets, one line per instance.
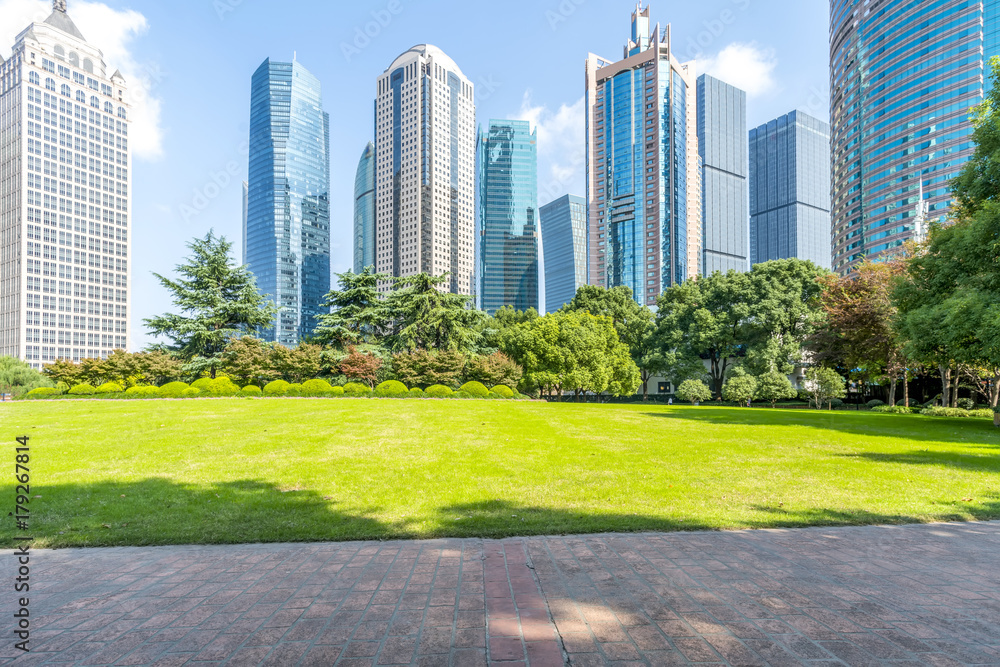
[296, 365]
[248, 360]
[825, 384]
[693, 391]
[361, 366]
[357, 312]
[740, 388]
[18, 378]
[122, 368]
[424, 368]
[427, 318]
[216, 301]
[774, 386]
[493, 370]
[63, 370]
[158, 367]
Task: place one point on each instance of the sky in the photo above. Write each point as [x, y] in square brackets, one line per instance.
[189, 63]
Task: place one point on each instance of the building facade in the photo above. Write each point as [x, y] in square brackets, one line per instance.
[564, 246]
[790, 190]
[364, 211]
[65, 200]
[425, 155]
[288, 196]
[507, 176]
[904, 77]
[643, 185]
[722, 145]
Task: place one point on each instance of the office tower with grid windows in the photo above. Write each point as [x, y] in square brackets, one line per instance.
[425, 180]
[643, 167]
[904, 77]
[364, 210]
[790, 190]
[564, 247]
[507, 176]
[288, 196]
[65, 203]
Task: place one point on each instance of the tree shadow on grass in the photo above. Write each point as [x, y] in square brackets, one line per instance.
[985, 509]
[989, 461]
[911, 427]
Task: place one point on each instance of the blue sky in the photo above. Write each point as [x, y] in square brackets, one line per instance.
[190, 63]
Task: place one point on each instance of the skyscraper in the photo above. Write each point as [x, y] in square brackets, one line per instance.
[364, 211]
[789, 190]
[903, 79]
[564, 244]
[288, 206]
[722, 144]
[425, 156]
[642, 166]
[508, 216]
[65, 203]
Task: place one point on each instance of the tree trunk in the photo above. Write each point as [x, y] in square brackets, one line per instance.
[892, 390]
[955, 380]
[994, 391]
[645, 385]
[945, 385]
[906, 390]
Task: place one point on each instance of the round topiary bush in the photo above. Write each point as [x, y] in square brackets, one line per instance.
[392, 389]
[294, 389]
[316, 388]
[503, 391]
[417, 392]
[475, 389]
[221, 386]
[438, 391]
[202, 384]
[251, 390]
[276, 388]
[143, 392]
[173, 389]
[693, 391]
[62, 387]
[82, 390]
[463, 395]
[836, 403]
[43, 392]
[191, 392]
[357, 389]
[336, 391]
[109, 388]
[875, 403]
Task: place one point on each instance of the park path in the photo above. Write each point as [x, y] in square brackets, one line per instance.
[906, 595]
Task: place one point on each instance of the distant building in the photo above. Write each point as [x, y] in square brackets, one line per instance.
[288, 206]
[507, 164]
[65, 202]
[243, 247]
[643, 185]
[790, 190]
[722, 144]
[364, 211]
[425, 156]
[564, 245]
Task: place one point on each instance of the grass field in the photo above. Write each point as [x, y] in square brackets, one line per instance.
[241, 470]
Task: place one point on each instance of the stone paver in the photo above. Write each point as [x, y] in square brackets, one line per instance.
[908, 595]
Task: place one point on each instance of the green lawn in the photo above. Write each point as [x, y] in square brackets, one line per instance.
[243, 470]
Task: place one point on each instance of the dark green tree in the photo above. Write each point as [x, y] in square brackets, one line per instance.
[357, 314]
[427, 317]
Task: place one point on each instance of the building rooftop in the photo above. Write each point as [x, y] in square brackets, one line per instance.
[61, 20]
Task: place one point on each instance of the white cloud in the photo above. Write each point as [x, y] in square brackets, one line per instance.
[113, 32]
[561, 147]
[744, 65]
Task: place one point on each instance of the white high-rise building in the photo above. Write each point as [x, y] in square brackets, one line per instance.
[425, 145]
[65, 205]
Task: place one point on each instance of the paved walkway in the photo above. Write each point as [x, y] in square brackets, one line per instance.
[914, 595]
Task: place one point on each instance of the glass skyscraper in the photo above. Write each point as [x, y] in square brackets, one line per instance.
[564, 246]
[722, 145]
[364, 211]
[790, 190]
[643, 182]
[904, 76]
[507, 164]
[288, 207]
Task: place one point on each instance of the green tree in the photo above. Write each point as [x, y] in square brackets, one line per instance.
[424, 368]
[492, 370]
[693, 391]
[357, 312]
[774, 386]
[248, 360]
[298, 364]
[824, 384]
[978, 184]
[741, 388]
[158, 367]
[18, 378]
[216, 300]
[361, 366]
[63, 370]
[425, 317]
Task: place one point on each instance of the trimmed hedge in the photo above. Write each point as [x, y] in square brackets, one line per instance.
[110, 388]
[173, 390]
[82, 390]
[357, 389]
[190, 392]
[945, 412]
[438, 391]
[43, 392]
[316, 388]
[982, 413]
[221, 386]
[336, 391]
[276, 388]
[392, 389]
[465, 395]
[251, 390]
[143, 392]
[202, 384]
[294, 390]
[895, 409]
[503, 391]
[875, 403]
[474, 389]
[417, 392]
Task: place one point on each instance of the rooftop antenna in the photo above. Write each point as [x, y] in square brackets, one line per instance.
[59, 6]
[295, 56]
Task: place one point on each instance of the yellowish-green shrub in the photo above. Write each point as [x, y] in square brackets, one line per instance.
[276, 388]
[475, 389]
[391, 389]
[82, 390]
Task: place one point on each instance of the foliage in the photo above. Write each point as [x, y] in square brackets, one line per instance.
[173, 389]
[356, 389]
[146, 391]
[276, 388]
[774, 386]
[297, 364]
[251, 391]
[824, 385]
[191, 392]
[978, 184]
[392, 389]
[945, 412]
[417, 392]
[18, 378]
[895, 409]
[439, 391]
[740, 388]
[463, 395]
[503, 391]
[110, 388]
[491, 370]
[83, 390]
[248, 360]
[316, 388]
[220, 386]
[423, 368]
[42, 392]
[357, 313]
[693, 391]
[427, 318]
[361, 367]
[967, 403]
[875, 403]
[216, 302]
[476, 389]
[202, 384]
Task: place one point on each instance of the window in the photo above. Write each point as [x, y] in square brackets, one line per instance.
[81, 97]
[65, 90]
[88, 65]
[94, 102]
[121, 112]
[108, 107]
[50, 85]
[33, 78]
[74, 59]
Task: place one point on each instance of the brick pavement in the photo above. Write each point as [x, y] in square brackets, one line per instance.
[912, 595]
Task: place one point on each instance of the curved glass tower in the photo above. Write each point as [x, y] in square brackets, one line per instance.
[364, 211]
[288, 207]
[903, 78]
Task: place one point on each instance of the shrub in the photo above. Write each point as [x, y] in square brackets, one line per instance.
[740, 389]
[945, 412]
[439, 391]
[836, 403]
[276, 388]
[966, 403]
[294, 389]
[173, 390]
[463, 395]
[110, 388]
[251, 390]
[503, 391]
[202, 384]
[82, 390]
[774, 386]
[62, 387]
[190, 392]
[803, 395]
[693, 391]
[316, 388]
[875, 403]
[417, 392]
[143, 392]
[43, 392]
[356, 389]
[336, 391]
[895, 409]
[981, 413]
[221, 386]
[474, 389]
[391, 389]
